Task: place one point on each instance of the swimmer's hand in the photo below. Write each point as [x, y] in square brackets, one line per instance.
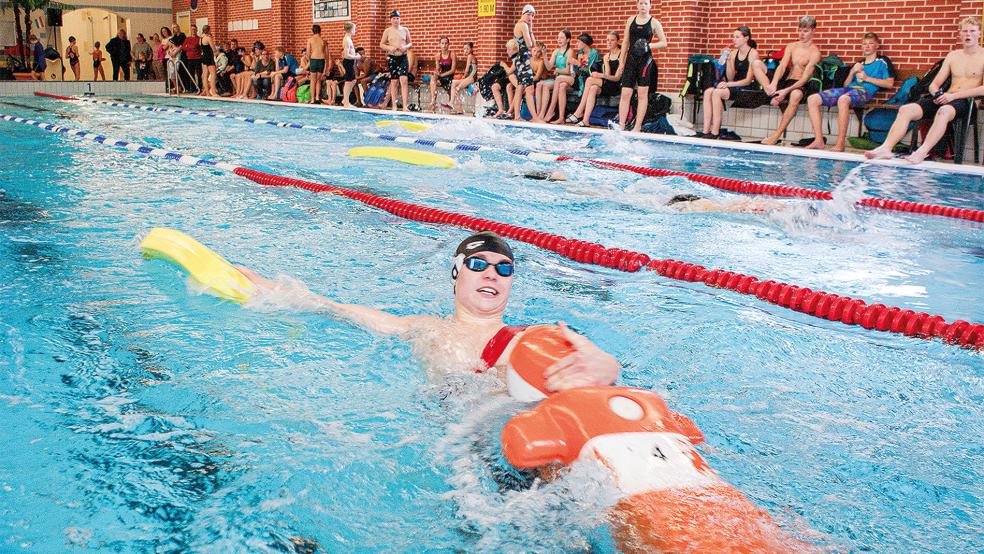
[587, 366]
[260, 281]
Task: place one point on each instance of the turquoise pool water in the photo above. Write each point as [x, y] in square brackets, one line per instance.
[141, 416]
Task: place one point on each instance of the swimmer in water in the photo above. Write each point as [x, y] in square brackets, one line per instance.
[688, 203]
[474, 338]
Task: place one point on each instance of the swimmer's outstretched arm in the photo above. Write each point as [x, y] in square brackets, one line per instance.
[377, 321]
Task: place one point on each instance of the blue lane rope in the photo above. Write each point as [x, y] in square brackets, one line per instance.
[440, 144]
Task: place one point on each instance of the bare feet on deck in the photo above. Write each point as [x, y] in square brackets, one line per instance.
[879, 154]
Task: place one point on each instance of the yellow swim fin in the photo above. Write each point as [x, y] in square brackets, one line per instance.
[206, 267]
[408, 125]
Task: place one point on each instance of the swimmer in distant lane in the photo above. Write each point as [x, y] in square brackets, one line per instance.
[474, 338]
[689, 203]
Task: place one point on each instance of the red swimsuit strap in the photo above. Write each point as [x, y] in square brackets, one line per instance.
[497, 345]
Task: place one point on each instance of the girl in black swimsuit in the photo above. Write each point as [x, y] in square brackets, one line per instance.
[738, 75]
[638, 68]
[209, 78]
[72, 53]
[97, 59]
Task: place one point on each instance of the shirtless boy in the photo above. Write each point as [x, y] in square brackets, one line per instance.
[803, 55]
[966, 67]
[396, 42]
[316, 51]
[474, 338]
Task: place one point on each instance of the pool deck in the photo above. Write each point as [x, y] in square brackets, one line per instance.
[967, 169]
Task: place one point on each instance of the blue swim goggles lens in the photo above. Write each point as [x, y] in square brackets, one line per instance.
[504, 269]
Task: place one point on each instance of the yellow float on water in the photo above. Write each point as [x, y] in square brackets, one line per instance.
[405, 155]
[408, 125]
[206, 267]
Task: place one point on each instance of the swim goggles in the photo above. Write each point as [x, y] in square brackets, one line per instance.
[505, 269]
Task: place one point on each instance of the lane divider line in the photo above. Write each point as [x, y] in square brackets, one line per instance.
[824, 305]
[730, 184]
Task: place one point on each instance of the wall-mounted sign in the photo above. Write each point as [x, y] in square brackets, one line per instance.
[486, 8]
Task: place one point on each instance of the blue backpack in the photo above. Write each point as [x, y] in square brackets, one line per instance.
[880, 120]
[603, 116]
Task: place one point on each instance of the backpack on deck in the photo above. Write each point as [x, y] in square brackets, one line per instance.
[702, 74]
[376, 92]
[288, 92]
[658, 125]
[921, 88]
[303, 94]
[603, 116]
[880, 120]
[831, 71]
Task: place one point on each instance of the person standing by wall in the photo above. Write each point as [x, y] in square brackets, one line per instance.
[639, 69]
[118, 48]
[396, 43]
[72, 55]
[142, 54]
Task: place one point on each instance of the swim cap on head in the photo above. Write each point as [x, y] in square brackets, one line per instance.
[396, 13]
[485, 241]
[529, 8]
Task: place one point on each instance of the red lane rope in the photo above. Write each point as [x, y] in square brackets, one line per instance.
[751, 187]
[820, 304]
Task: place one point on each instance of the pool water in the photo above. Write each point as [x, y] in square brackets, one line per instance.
[141, 415]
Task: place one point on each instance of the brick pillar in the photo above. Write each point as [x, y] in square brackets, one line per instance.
[685, 23]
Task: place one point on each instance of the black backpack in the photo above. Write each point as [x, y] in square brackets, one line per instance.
[831, 71]
[921, 88]
[702, 74]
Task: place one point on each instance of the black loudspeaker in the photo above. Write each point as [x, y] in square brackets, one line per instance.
[54, 17]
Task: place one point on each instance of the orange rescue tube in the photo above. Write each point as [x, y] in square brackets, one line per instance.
[540, 347]
[672, 501]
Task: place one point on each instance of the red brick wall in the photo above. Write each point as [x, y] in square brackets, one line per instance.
[915, 33]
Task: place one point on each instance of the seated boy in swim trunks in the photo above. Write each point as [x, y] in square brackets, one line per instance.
[866, 77]
[803, 56]
[965, 69]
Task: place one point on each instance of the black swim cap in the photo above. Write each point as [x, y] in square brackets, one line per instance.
[485, 241]
[683, 198]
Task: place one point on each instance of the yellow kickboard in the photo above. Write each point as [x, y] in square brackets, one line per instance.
[405, 155]
[206, 267]
[408, 125]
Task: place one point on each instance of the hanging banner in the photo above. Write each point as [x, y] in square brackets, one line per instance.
[486, 8]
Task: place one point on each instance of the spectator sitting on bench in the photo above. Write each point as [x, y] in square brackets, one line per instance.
[804, 56]
[444, 63]
[588, 61]
[966, 67]
[507, 81]
[460, 85]
[738, 76]
[560, 64]
[600, 84]
[860, 86]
